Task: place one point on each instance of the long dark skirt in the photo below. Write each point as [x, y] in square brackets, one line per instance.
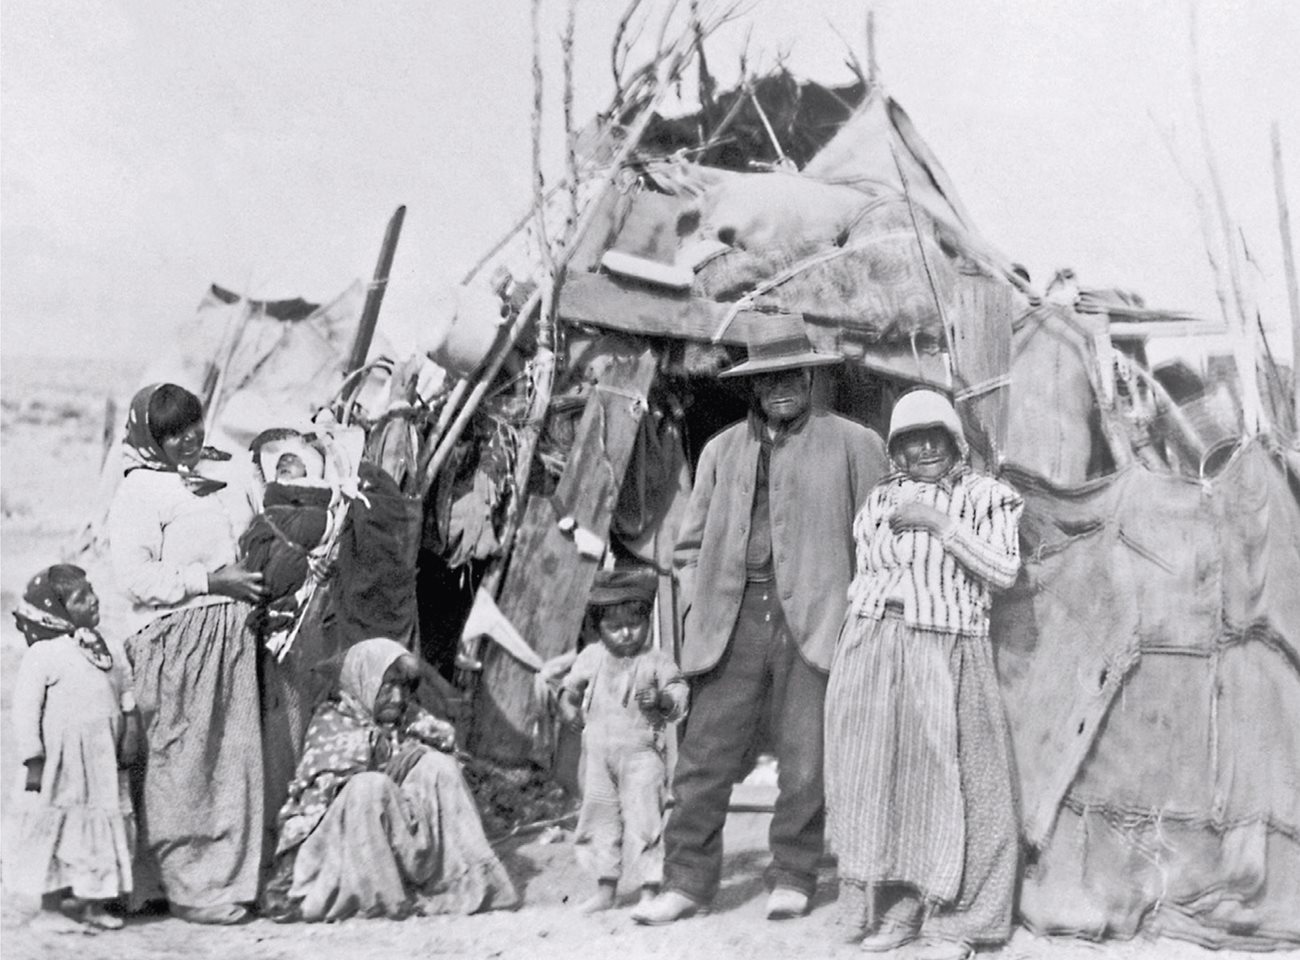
[201, 826]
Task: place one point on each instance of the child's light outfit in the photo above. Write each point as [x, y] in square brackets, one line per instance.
[79, 831]
[620, 825]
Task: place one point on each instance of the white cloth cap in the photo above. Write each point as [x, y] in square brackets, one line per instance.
[926, 408]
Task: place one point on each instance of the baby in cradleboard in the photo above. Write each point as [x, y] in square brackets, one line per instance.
[293, 522]
[623, 693]
[73, 717]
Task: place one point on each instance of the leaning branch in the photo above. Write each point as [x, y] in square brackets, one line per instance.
[1244, 337]
[1288, 265]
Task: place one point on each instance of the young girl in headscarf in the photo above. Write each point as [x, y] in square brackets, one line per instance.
[77, 830]
[173, 544]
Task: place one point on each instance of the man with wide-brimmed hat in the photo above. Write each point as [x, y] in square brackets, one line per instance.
[764, 557]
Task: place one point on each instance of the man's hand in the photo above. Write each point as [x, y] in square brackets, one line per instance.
[35, 771]
[917, 516]
[570, 710]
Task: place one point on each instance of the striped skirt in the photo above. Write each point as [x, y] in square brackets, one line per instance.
[918, 776]
[202, 814]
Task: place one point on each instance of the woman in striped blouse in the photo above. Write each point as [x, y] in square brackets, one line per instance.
[918, 775]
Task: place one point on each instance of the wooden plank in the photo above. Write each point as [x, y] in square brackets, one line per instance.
[546, 588]
[981, 342]
[1141, 329]
[604, 301]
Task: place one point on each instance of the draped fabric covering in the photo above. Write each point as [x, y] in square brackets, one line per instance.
[374, 591]
[1149, 658]
[378, 823]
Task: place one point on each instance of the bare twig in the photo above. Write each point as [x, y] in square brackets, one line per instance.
[570, 135]
[707, 84]
[873, 70]
[545, 330]
[1243, 336]
[493, 365]
[510, 234]
[781, 158]
[853, 62]
[618, 51]
[1203, 217]
[660, 47]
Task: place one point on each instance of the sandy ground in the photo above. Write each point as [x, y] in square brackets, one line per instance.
[49, 460]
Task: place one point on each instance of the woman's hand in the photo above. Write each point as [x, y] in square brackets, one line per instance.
[918, 516]
[438, 734]
[237, 582]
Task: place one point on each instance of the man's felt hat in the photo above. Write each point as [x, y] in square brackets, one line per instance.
[622, 585]
[782, 344]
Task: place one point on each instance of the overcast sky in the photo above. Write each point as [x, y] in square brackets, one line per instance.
[150, 148]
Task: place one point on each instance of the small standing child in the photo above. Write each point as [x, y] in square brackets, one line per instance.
[623, 692]
[76, 837]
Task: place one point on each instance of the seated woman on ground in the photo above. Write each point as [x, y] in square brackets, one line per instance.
[379, 821]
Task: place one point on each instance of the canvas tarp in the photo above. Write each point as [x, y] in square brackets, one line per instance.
[260, 364]
[256, 364]
[1053, 398]
[1150, 662]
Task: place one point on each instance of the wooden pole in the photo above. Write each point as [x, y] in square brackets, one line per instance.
[375, 294]
[111, 427]
[1243, 336]
[498, 357]
[872, 68]
[1288, 265]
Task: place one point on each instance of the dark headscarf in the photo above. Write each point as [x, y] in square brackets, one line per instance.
[43, 613]
[144, 448]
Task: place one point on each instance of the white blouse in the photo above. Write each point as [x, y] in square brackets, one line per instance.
[164, 541]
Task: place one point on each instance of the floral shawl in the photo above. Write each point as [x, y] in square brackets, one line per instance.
[342, 739]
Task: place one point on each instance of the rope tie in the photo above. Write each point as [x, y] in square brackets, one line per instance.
[988, 386]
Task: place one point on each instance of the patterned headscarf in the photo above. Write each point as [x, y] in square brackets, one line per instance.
[143, 450]
[43, 614]
[363, 670]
